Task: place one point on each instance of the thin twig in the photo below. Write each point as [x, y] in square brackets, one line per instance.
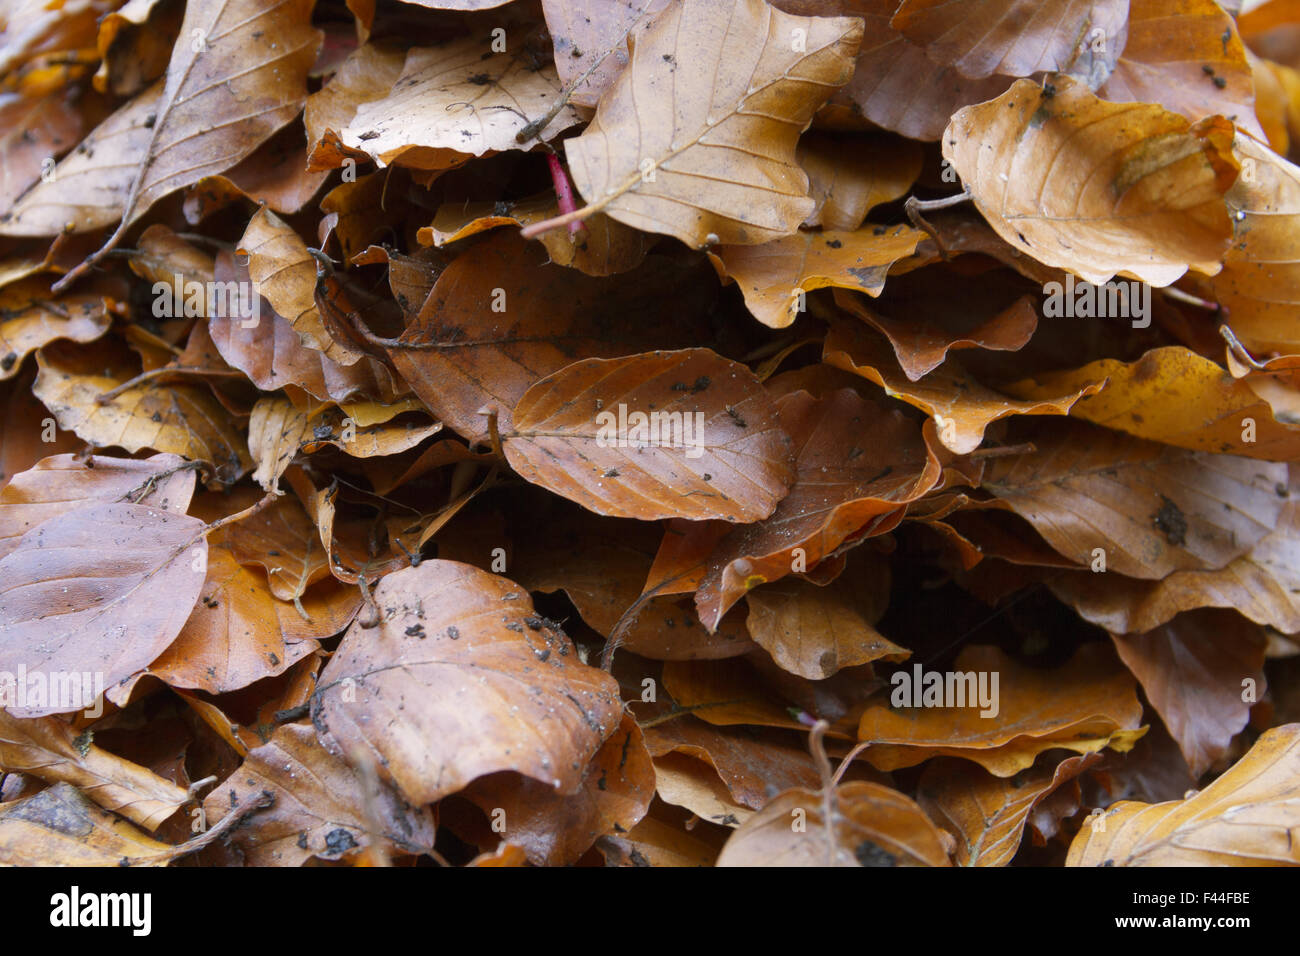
[930, 205]
[227, 823]
[137, 494]
[112, 393]
[1239, 350]
[914, 207]
[1180, 296]
[1002, 451]
[537, 125]
[364, 765]
[197, 785]
[616, 634]
[848, 759]
[494, 433]
[818, 751]
[291, 714]
[262, 503]
[373, 616]
[578, 215]
[679, 711]
[207, 240]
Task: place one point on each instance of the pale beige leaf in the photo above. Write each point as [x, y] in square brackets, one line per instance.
[284, 272]
[367, 74]
[276, 429]
[457, 101]
[696, 138]
[89, 186]
[870, 825]
[591, 40]
[238, 74]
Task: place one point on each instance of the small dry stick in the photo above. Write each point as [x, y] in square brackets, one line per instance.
[262, 503]
[227, 823]
[818, 750]
[107, 397]
[577, 215]
[373, 616]
[1180, 296]
[678, 711]
[1002, 451]
[1239, 350]
[616, 635]
[197, 785]
[625, 621]
[848, 759]
[291, 714]
[494, 433]
[137, 494]
[914, 207]
[364, 765]
[536, 126]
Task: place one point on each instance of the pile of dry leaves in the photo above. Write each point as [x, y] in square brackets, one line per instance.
[649, 432]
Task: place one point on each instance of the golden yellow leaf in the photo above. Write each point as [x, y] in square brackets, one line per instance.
[775, 276]
[1250, 816]
[1094, 187]
[1259, 286]
[181, 418]
[1175, 396]
[49, 748]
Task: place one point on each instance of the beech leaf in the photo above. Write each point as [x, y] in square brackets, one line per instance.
[658, 435]
[1247, 817]
[455, 645]
[682, 163]
[1141, 194]
[102, 589]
